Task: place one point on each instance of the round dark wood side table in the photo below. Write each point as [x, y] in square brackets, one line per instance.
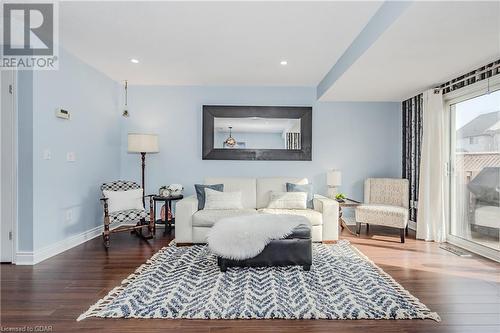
[167, 201]
[346, 203]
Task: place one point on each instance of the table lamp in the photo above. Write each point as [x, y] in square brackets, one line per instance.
[143, 143]
[333, 180]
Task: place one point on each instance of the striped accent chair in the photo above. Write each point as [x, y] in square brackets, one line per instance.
[137, 218]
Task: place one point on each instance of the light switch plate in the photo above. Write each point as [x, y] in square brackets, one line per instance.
[69, 215]
[47, 154]
[71, 156]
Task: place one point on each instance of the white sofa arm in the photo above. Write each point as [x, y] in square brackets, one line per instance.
[330, 210]
[184, 210]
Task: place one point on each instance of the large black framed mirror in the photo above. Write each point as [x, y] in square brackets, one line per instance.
[279, 133]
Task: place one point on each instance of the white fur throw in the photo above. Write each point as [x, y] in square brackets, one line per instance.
[244, 237]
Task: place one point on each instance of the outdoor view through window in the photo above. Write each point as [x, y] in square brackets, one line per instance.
[475, 183]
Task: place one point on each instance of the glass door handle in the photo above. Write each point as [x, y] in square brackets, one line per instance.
[448, 168]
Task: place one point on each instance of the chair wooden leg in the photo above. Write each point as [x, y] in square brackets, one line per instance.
[402, 234]
[106, 241]
[152, 224]
[139, 231]
[358, 228]
[367, 228]
[406, 231]
[106, 233]
[105, 236]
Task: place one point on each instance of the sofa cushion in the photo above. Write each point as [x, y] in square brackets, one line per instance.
[314, 217]
[200, 192]
[277, 184]
[307, 188]
[207, 218]
[124, 200]
[247, 187]
[222, 200]
[288, 200]
[386, 215]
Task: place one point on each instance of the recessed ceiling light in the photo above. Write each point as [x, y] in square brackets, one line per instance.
[135, 61]
[283, 63]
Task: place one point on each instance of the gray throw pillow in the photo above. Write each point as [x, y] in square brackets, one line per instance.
[290, 187]
[200, 192]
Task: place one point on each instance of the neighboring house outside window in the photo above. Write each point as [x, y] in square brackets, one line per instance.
[481, 134]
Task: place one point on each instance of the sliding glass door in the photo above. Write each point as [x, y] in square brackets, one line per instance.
[474, 196]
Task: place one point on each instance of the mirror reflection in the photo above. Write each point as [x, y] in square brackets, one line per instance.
[256, 133]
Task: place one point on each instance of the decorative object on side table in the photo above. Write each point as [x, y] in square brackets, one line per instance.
[345, 202]
[333, 180]
[171, 190]
[143, 143]
[340, 197]
[167, 217]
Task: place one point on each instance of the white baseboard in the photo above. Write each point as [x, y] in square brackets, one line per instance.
[24, 258]
[32, 258]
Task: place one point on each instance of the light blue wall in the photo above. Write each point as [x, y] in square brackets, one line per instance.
[361, 139]
[93, 133]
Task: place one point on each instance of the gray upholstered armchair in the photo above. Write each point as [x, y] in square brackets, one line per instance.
[386, 204]
[136, 219]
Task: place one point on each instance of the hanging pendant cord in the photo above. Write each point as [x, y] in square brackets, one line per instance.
[126, 92]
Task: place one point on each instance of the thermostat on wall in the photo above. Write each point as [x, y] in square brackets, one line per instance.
[63, 114]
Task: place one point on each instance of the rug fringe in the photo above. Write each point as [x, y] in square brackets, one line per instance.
[422, 308]
[100, 304]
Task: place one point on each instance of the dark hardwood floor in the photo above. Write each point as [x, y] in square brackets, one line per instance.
[464, 291]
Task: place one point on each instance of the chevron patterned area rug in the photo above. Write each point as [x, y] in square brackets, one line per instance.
[185, 282]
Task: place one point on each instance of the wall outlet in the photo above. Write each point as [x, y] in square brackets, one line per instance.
[47, 154]
[71, 156]
[63, 114]
[69, 215]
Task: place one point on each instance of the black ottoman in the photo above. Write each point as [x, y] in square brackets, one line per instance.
[295, 249]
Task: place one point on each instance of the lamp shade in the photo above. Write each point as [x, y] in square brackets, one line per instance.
[334, 178]
[143, 143]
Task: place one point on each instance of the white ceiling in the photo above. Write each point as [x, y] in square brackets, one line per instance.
[242, 43]
[213, 43]
[430, 43]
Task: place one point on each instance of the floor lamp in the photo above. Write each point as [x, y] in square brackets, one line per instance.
[143, 143]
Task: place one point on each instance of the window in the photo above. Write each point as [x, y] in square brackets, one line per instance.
[474, 195]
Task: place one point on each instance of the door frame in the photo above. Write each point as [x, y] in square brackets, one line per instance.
[472, 91]
[13, 165]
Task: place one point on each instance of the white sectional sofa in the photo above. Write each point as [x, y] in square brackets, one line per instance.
[192, 225]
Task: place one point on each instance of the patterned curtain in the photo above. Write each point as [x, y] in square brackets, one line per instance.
[474, 76]
[412, 127]
[292, 140]
[412, 141]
